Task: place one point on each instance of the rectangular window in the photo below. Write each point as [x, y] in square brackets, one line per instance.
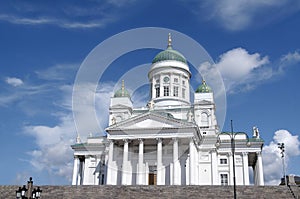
[224, 179]
[223, 161]
[166, 91]
[183, 93]
[175, 92]
[175, 80]
[157, 90]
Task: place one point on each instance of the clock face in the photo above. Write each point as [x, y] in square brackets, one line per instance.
[166, 79]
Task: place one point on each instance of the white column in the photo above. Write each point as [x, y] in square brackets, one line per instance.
[214, 169]
[141, 171]
[255, 177]
[109, 175]
[192, 163]
[176, 164]
[87, 174]
[75, 170]
[81, 170]
[245, 168]
[124, 165]
[260, 169]
[159, 177]
[230, 167]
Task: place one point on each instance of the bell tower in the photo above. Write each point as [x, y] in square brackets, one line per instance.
[204, 109]
[120, 106]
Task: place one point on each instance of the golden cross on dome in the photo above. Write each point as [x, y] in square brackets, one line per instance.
[123, 88]
[169, 40]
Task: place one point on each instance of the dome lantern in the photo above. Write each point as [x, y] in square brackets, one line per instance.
[122, 92]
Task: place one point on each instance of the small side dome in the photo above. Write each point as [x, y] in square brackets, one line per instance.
[169, 54]
[122, 92]
[203, 88]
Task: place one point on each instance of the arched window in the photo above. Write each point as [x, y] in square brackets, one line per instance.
[157, 91]
[204, 120]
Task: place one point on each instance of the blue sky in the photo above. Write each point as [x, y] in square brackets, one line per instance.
[255, 46]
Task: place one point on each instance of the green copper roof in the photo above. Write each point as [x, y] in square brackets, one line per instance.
[169, 54]
[122, 92]
[203, 88]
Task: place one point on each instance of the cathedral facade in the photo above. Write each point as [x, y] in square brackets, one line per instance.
[171, 140]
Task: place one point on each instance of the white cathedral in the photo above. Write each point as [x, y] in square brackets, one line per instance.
[171, 140]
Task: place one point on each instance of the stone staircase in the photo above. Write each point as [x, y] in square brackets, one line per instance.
[296, 190]
[140, 192]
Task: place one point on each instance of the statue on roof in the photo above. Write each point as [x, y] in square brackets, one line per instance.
[151, 105]
[113, 121]
[255, 132]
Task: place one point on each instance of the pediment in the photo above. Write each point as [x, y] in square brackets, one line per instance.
[150, 120]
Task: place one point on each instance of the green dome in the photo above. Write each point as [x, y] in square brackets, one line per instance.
[122, 92]
[203, 88]
[169, 54]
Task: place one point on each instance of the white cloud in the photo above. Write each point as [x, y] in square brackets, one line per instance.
[13, 81]
[272, 158]
[291, 57]
[95, 14]
[23, 20]
[10, 96]
[240, 70]
[235, 15]
[53, 153]
[237, 63]
[58, 72]
[64, 23]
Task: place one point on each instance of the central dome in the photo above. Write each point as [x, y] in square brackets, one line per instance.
[169, 54]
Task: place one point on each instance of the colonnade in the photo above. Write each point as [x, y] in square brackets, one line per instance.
[175, 174]
[141, 179]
